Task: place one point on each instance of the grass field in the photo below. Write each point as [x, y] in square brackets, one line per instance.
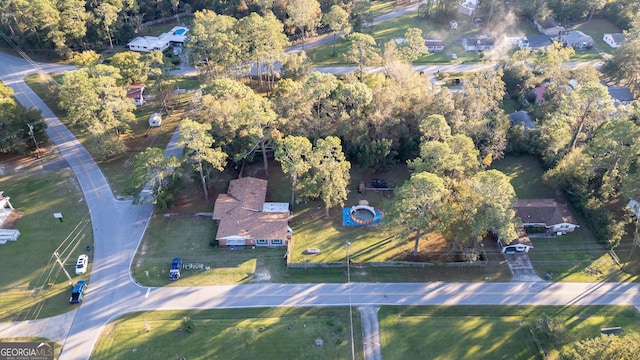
[525, 173]
[33, 285]
[442, 332]
[280, 333]
[487, 332]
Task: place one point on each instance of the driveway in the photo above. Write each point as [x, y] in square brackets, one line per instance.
[521, 267]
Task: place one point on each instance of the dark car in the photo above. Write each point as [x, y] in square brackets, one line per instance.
[176, 266]
[78, 292]
[379, 183]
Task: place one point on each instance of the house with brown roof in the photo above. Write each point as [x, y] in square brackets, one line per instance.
[135, 94]
[245, 219]
[556, 218]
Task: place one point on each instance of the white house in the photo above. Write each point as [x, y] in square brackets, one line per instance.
[135, 94]
[478, 43]
[549, 214]
[614, 40]
[634, 205]
[175, 37]
[434, 45]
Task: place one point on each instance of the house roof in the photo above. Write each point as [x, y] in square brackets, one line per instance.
[522, 117]
[576, 37]
[618, 38]
[543, 211]
[434, 42]
[620, 93]
[177, 34]
[538, 41]
[240, 212]
[135, 91]
[480, 41]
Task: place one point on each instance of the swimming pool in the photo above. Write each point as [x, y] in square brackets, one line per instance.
[179, 32]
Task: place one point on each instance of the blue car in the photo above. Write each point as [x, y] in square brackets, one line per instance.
[78, 292]
[176, 266]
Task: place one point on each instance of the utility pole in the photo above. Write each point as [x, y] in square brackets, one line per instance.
[34, 140]
[353, 352]
[62, 266]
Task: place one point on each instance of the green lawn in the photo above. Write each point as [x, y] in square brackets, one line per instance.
[442, 332]
[33, 285]
[487, 332]
[525, 173]
[280, 333]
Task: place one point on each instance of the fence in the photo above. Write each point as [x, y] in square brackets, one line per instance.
[338, 264]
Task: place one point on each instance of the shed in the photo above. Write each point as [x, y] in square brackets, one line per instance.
[155, 120]
[614, 40]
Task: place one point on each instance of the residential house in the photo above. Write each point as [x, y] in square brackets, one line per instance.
[522, 117]
[575, 39]
[634, 205]
[614, 40]
[175, 37]
[434, 45]
[467, 8]
[245, 219]
[478, 43]
[620, 95]
[535, 42]
[135, 94]
[548, 27]
[553, 217]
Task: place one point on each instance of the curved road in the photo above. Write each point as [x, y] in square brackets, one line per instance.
[118, 227]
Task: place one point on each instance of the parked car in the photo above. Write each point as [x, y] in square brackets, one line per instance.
[454, 56]
[379, 183]
[77, 294]
[81, 264]
[176, 266]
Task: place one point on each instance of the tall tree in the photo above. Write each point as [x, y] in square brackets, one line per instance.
[158, 172]
[108, 14]
[293, 153]
[132, 68]
[213, 40]
[304, 14]
[328, 177]
[625, 65]
[578, 115]
[197, 141]
[93, 100]
[413, 46]
[363, 51]
[337, 20]
[418, 203]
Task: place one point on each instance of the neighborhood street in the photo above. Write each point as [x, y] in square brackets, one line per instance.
[118, 227]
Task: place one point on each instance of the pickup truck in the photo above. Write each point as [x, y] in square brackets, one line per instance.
[174, 272]
[78, 292]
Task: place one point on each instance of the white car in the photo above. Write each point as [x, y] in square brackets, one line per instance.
[81, 265]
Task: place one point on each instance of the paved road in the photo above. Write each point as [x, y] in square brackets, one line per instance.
[370, 332]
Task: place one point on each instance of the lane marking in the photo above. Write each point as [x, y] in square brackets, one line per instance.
[147, 294]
